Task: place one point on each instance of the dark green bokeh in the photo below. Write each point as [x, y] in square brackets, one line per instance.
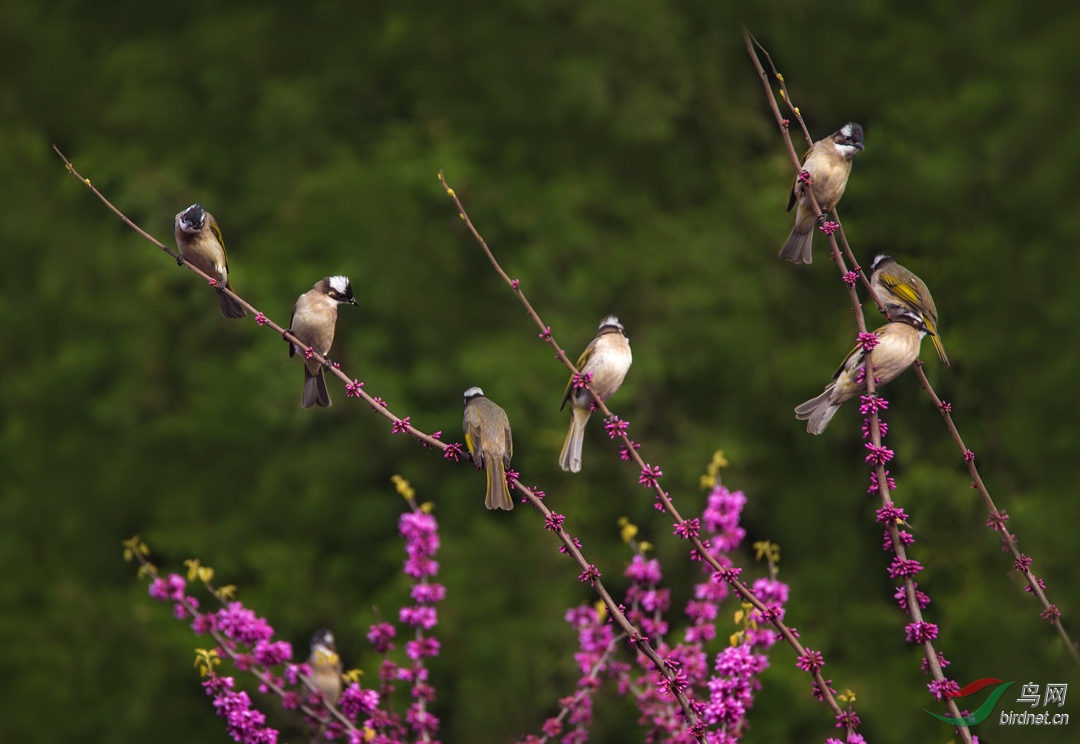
[618, 156]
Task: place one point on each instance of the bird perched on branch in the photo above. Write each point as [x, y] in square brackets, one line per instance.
[314, 319]
[897, 348]
[487, 435]
[199, 240]
[895, 287]
[607, 359]
[828, 161]
[325, 672]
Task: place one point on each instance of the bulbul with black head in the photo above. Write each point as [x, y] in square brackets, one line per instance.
[898, 347]
[314, 319]
[199, 240]
[607, 358]
[895, 287]
[828, 161]
[487, 435]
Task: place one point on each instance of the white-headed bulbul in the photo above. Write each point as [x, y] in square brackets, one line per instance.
[198, 238]
[607, 358]
[487, 435]
[828, 161]
[898, 347]
[314, 318]
[895, 286]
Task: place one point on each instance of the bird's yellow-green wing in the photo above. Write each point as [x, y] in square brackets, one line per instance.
[581, 362]
[905, 290]
[472, 441]
[795, 181]
[220, 239]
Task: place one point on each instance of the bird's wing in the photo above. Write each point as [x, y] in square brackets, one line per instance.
[292, 346]
[851, 361]
[905, 290]
[581, 362]
[472, 441]
[795, 181]
[220, 239]
[509, 445]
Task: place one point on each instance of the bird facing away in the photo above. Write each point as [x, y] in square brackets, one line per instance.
[487, 435]
[828, 161]
[895, 286]
[898, 346]
[199, 240]
[607, 358]
[314, 318]
[325, 673]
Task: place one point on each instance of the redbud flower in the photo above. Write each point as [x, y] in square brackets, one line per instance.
[352, 389]
[942, 688]
[851, 278]
[515, 283]
[969, 456]
[1023, 563]
[904, 567]
[546, 333]
[260, 318]
[920, 632]
[615, 427]
[804, 176]
[942, 662]
[829, 227]
[309, 353]
[727, 575]
[947, 407]
[810, 661]
[890, 514]
[871, 403]
[1040, 582]
[649, 475]
[590, 574]
[624, 451]
[380, 635]
[879, 455]
[579, 381]
[688, 528]
[553, 522]
[511, 478]
[997, 520]
[452, 452]
[213, 282]
[848, 720]
[1051, 613]
[875, 486]
[401, 426]
[868, 341]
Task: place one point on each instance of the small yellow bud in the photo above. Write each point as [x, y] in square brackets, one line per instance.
[451, 192]
[779, 77]
[782, 95]
[601, 610]
[193, 568]
[739, 615]
[369, 733]
[427, 507]
[461, 215]
[206, 574]
[227, 592]
[86, 181]
[644, 546]
[628, 532]
[797, 112]
[735, 638]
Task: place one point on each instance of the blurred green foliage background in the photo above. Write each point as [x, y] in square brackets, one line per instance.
[619, 157]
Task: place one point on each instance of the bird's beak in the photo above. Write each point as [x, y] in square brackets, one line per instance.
[354, 302]
[859, 145]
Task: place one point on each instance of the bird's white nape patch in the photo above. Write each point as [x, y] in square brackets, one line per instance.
[473, 392]
[878, 260]
[340, 284]
[846, 130]
[611, 320]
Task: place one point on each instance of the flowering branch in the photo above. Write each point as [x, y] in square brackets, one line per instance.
[998, 519]
[553, 521]
[650, 474]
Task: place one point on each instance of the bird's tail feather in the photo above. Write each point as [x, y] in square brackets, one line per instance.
[315, 391]
[797, 247]
[570, 459]
[819, 410]
[937, 342]
[498, 493]
[230, 308]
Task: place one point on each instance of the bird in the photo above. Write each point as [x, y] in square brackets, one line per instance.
[898, 347]
[607, 358]
[199, 240]
[314, 318]
[325, 673]
[828, 161]
[895, 286]
[325, 665]
[487, 435]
